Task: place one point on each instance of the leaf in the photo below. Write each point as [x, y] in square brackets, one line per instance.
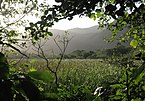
[120, 12]
[31, 91]
[51, 96]
[135, 31]
[46, 12]
[143, 31]
[137, 99]
[4, 68]
[58, 1]
[143, 43]
[93, 16]
[143, 56]
[118, 86]
[115, 97]
[43, 17]
[139, 78]
[49, 33]
[32, 69]
[97, 99]
[124, 23]
[110, 8]
[123, 39]
[135, 36]
[143, 87]
[134, 43]
[44, 76]
[6, 91]
[27, 28]
[99, 14]
[33, 61]
[31, 24]
[138, 72]
[2, 58]
[19, 97]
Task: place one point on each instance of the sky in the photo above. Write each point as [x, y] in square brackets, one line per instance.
[76, 22]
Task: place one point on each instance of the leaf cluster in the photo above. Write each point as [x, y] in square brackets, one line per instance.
[125, 14]
[19, 86]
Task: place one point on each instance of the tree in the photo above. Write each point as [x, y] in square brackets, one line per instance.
[13, 14]
[113, 14]
[14, 85]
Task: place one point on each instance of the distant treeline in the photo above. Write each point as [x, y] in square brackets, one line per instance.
[81, 54]
[103, 53]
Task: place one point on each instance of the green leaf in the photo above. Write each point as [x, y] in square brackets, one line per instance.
[135, 36]
[124, 23]
[115, 97]
[135, 31]
[99, 14]
[143, 31]
[123, 39]
[44, 76]
[138, 73]
[134, 43]
[93, 16]
[2, 58]
[33, 61]
[139, 78]
[143, 87]
[118, 86]
[4, 68]
[144, 43]
[97, 99]
[32, 69]
[137, 99]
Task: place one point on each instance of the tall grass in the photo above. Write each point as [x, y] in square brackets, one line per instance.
[90, 72]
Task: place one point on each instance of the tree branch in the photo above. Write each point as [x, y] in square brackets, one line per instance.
[13, 48]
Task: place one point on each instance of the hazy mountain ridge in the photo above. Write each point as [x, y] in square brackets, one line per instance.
[89, 39]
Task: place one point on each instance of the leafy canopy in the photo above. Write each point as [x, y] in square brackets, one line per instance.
[113, 14]
[14, 17]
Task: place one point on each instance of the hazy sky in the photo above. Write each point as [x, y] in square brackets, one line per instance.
[83, 22]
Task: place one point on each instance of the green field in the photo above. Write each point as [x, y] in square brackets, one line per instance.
[73, 74]
[78, 79]
[78, 71]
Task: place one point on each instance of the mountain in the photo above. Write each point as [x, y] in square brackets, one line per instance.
[82, 39]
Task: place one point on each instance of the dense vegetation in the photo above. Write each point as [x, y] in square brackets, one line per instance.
[119, 50]
[118, 78]
[77, 78]
[100, 54]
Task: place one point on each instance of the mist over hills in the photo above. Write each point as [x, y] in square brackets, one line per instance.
[89, 39]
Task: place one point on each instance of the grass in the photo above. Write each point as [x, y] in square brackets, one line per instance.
[90, 72]
[79, 78]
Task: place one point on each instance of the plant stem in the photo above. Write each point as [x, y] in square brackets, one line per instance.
[127, 85]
